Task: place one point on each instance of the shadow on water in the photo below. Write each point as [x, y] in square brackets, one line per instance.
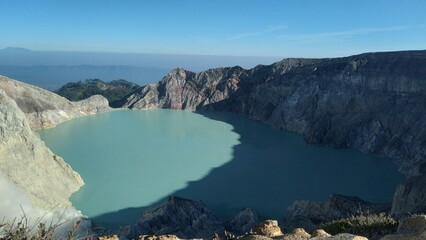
[270, 169]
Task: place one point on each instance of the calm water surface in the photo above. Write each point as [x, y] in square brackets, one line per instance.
[132, 159]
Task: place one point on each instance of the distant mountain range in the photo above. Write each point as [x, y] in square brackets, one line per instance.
[54, 76]
[52, 69]
[15, 50]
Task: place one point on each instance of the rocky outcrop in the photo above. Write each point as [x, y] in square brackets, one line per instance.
[184, 218]
[310, 215]
[29, 164]
[320, 233]
[44, 109]
[182, 89]
[373, 102]
[268, 228]
[410, 197]
[243, 222]
[296, 234]
[411, 228]
[162, 237]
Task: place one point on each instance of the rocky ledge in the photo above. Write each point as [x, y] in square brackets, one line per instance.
[44, 109]
[373, 102]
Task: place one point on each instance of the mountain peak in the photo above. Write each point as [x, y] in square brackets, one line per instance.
[15, 50]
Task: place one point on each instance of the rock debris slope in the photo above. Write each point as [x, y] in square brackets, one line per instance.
[374, 102]
[28, 163]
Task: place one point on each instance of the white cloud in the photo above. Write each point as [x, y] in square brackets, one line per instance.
[331, 35]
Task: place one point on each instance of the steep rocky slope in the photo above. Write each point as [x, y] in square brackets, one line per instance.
[28, 163]
[32, 177]
[44, 109]
[373, 102]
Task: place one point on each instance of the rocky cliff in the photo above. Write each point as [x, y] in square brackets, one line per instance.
[36, 179]
[44, 109]
[373, 102]
[29, 164]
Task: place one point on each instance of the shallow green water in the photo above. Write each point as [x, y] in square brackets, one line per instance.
[133, 159]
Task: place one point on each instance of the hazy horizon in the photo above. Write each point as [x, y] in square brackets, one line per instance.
[52, 69]
[14, 56]
[312, 29]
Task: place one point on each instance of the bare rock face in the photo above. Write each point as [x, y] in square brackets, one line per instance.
[310, 215]
[184, 218]
[413, 225]
[182, 89]
[268, 228]
[243, 222]
[27, 162]
[296, 234]
[320, 233]
[410, 197]
[411, 228]
[45, 109]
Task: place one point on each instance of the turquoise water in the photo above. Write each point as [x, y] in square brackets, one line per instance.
[133, 159]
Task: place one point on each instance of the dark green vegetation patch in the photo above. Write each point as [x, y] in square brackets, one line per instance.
[114, 91]
[372, 226]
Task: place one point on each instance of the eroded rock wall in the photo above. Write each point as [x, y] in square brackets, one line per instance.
[28, 163]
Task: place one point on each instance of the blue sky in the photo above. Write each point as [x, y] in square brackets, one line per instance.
[298, 28]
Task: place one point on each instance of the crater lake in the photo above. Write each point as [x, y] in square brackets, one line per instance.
[133, 159]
